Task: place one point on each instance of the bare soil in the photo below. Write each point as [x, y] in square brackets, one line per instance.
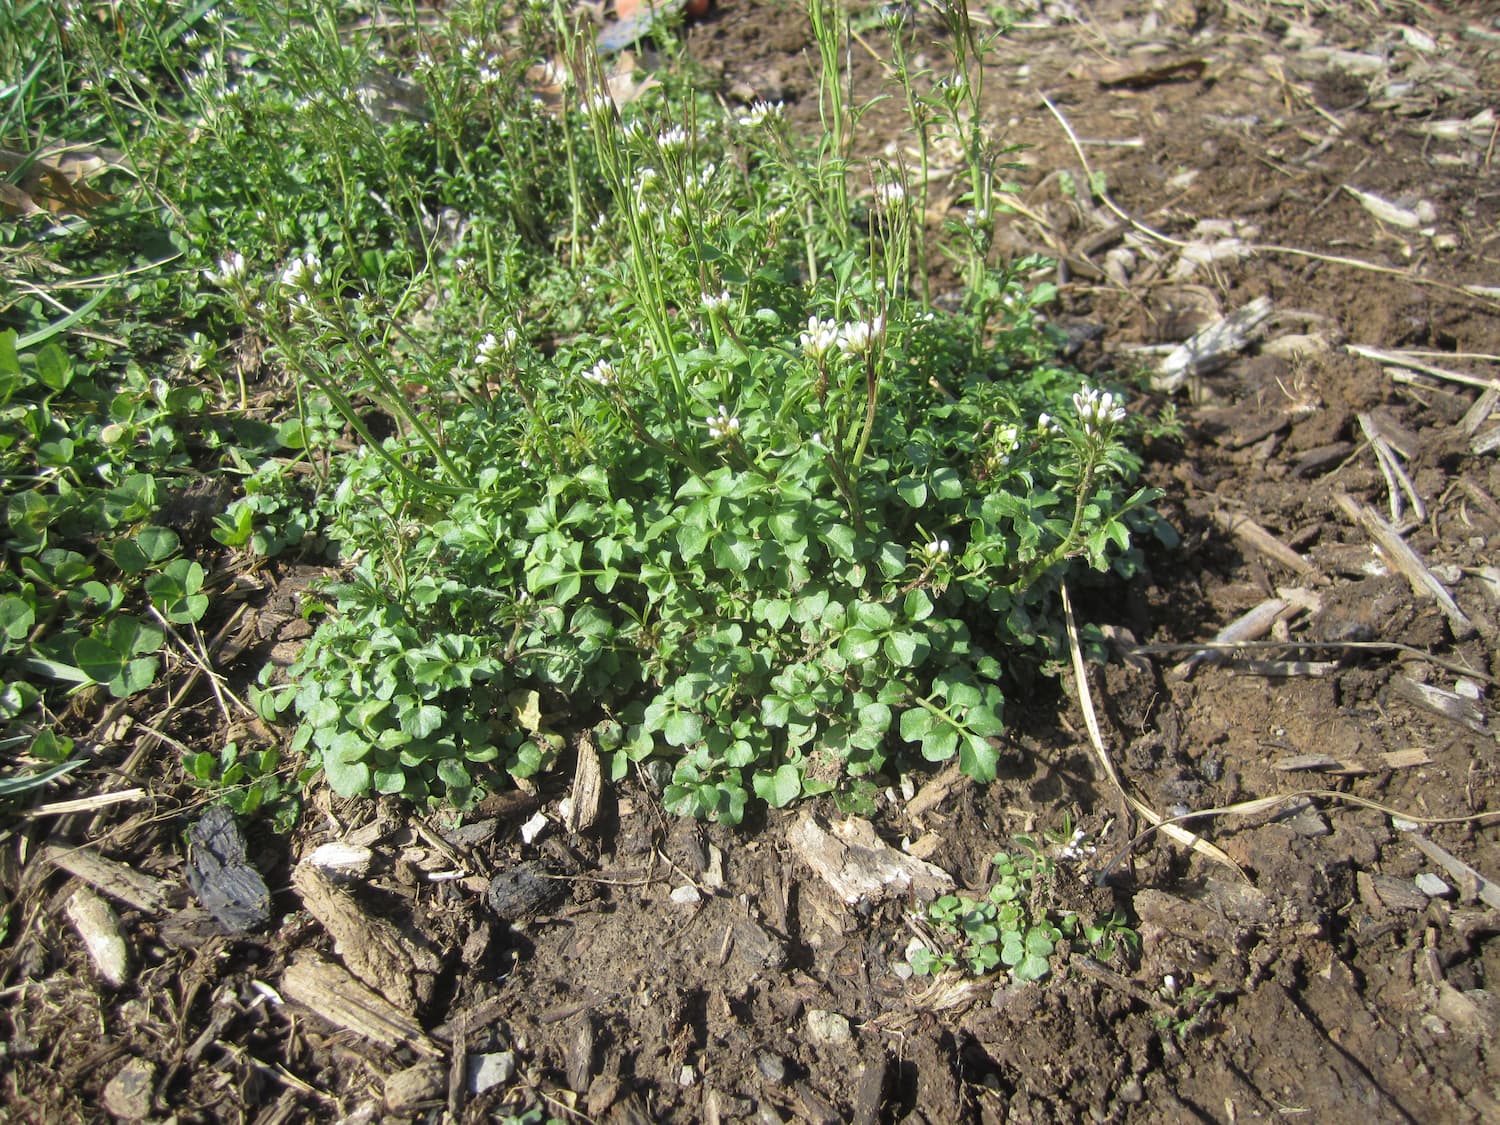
[1317, 981]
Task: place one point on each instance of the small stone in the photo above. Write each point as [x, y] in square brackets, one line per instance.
[532, 830]
[128, 1094]
[828, 1027]
[687, 1076]
[1432, 886]
[490, 1070]
[1132, 1093]
[687, 896]
[406, 1090]
[772, 1066]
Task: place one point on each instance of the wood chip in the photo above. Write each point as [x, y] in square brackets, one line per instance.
[1211, 347]
[859, 866]
[1249, 626]
[1449, 704]
[588, 784]
[1253, 535]
[119, 882]
[331, 992]
[401, 966]
[1286, 669]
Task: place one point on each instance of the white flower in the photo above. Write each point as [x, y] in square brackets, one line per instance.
[760, 113]
[670, 140]
[491, 347]
[228, 271]
[821, 337]
[723, 425]
[1097, 412]
[890, 194]
[937, 549]
[1045, 423]
[859, 336]
[714, 301]
[302, 273]
[602, 374]
[601, 105]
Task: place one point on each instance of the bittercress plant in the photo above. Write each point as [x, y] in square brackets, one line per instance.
[715, 479]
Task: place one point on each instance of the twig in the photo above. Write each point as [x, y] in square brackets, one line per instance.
[1413, 361]
[1265, 804]
[1357, 646]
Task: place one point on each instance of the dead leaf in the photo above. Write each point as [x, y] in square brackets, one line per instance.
[43, 183]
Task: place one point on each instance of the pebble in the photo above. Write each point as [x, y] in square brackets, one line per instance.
[489, 1071]
[1432, 886]
[687, 896]
[828, 1027]
[772, 1067]
[128, 1094]
[406, 1090]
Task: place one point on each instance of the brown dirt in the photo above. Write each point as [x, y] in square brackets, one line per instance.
[1335, 990]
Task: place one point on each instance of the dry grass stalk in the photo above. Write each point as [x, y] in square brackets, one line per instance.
[1416, 363]
[1096, 739]
[1396, 480]
[1406, 560]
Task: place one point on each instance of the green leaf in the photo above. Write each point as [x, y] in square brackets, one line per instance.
[977, 758]
[913, 490]
[916, 723]
[733, 553]
[691, 541]
[946, 483]
[775, 711]
[939, 744]
[781, 788]
[917, 606]
[839, 538]
[904, 649]
[858, 645]
[452, 774]
[683, 728]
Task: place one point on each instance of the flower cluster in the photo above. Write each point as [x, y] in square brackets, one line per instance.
[492, 348]
[723, 425]
[302, 273]
[852, 339]
[859, 336]
[936, 550]
[229, 271]
[891, 193]
[761, 112]
[821, 337]
[1097, 412]
[712, 302]
[602, 374]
